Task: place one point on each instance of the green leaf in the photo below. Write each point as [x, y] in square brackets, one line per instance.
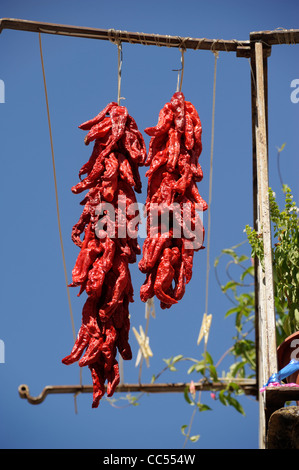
[229, 285]
[183, 427]
[229, 251]
[194, 438]
[203, 407]
[213, 373]
[296, 315]
[233, 402]
[232, 310]
[208, 358]
[186, 396]
[168, 361]
[191, 369]
[242, 258]
[222, 397]
[249, 271]
[177, 358]
[281, 148]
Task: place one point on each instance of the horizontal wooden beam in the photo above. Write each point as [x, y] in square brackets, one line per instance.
[276, 397]
[113, 35]
[277, 36]
[248, 386]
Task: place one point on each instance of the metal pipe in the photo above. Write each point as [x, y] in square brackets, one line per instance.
[249, 387]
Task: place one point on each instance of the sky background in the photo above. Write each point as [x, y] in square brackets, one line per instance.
[81, 75]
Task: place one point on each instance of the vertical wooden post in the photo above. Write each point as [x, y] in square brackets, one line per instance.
[267, 357]
[255, 203]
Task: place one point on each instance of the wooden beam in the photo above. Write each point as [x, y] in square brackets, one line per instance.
[267, 325]
[277, 396]
[113, 35]
[277, 36]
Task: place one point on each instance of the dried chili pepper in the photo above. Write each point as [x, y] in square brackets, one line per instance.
[174, 150]
[102, 266]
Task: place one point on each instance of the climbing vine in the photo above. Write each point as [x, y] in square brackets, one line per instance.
[240, 292]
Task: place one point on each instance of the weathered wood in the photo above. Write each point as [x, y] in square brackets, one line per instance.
[254, 204]
[277, 36]
[247, 385]
[113, 35]
[276, 397]
[283, 432]
[267, 334]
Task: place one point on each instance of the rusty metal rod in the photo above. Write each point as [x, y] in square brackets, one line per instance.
[249, 387]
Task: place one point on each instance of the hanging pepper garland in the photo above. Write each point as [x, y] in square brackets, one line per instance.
[102, 266]
[174, 149]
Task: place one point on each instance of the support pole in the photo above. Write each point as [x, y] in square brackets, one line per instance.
[267, 357]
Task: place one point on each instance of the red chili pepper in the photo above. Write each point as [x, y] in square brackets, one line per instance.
[164, 121]
[102, 266]
[177, 103]
[89, 124]
[99, 130]
[165, 275]
[174, 147]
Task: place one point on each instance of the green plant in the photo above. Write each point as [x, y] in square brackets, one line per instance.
[240, 292]
[285, 255]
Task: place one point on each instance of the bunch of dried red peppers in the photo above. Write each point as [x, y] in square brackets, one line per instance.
[168, 250]
[101, 269]
[102, 266]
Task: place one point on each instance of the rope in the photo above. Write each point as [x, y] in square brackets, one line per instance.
[181, 70]
[118, 42]
[204, 330]
[119, 67]
[216, 55]
[56, 191]
[113, 36]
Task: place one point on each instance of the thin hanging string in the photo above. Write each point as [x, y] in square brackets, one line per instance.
[181, 71]
[56, 190]
[58, 212]
[216, 55]
[57, 208]
[119, 69]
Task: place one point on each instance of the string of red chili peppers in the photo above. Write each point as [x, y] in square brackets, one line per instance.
[101, 268]
[168, 249]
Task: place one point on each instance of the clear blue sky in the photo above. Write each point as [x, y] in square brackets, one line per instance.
[81, 75]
